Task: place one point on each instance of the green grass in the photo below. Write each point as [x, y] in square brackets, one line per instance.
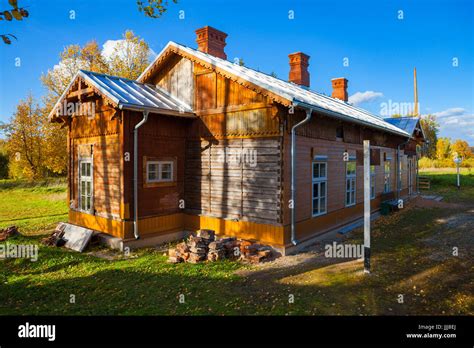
[32, 207]
[404, 246]
[444, 181]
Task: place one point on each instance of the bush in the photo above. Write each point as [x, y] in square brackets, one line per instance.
[425, 162]
[444, 163]
[468, 163]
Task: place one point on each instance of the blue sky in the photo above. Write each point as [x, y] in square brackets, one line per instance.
[381, 48]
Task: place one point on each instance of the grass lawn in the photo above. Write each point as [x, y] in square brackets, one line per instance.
[443, 182]
[412, 256]
[33, 208]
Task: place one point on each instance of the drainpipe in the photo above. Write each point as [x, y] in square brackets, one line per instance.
[135, 174]
[309, 112]
[399, 179]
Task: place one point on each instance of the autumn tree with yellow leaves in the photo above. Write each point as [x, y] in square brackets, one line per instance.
[36, 146]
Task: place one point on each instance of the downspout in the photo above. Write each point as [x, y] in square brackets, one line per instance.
[135, 174]
[399, 179]
[309, 112]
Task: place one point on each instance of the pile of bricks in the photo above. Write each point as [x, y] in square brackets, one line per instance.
[204, 246]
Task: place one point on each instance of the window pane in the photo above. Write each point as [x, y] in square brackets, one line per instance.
[88, 188]
[323, 189]
[315, 190]
[88, 167]
[166, 171]
[350, 168]
[88, 203]
[323, 205]
[315, 170]
[372, 169]
[315, 206]
[83, 169]
[323, 170]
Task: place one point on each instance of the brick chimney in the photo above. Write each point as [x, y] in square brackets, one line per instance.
[212, 41]
[339, 88]
[299, 74]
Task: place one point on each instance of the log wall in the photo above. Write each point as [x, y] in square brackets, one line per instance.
[235, 179]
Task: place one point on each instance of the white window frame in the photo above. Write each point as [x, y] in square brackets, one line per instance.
[159, 172]
[386, 176]
[319, 181]
[351, 179]
[372, 181]
[83, 180]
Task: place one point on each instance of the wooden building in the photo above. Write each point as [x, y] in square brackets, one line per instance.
[200, 142]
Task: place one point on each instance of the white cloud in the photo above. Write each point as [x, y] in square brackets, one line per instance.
[363, 97]
[108, 49]
[450, 112]
[455, 123]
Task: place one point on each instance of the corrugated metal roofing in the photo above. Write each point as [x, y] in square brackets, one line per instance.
[408, 124]
[289, 91]
[133, 95]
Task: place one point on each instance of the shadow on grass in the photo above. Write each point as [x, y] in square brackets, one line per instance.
[147, 285]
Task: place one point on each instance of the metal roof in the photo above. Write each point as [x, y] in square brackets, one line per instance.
[289, 91]
[132, 95]
[408, 124]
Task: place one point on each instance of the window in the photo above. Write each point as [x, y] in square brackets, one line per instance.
[340, 132]
[159, 171]
[350, 183]
[372, 182]
[319, 188]
[386, 178]
[85, 185]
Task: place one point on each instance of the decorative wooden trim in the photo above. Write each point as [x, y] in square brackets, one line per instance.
[221, 72]
[233, 108]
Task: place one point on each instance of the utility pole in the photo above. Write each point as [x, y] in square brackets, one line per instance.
[366, 206]
[415, 86]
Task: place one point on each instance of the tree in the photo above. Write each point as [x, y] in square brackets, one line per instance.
[72, 59]
[443, 148]
[430, 129]
[15, 12]
[130, 58]
[461, 148]
[25, 140]
[3, 160]
[153, 8]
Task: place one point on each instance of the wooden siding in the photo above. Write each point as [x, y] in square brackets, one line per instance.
[265, 233]
[311, 143]
[162, 138]
[98, 137]
[220, 184]
[177, 79]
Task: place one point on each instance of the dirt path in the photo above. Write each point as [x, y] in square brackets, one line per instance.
[460, 226]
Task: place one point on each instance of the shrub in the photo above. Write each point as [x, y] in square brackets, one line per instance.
[425, 162]
[468, 163]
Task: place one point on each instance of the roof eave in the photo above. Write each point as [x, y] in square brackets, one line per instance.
[131, 107]
[348, 118]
